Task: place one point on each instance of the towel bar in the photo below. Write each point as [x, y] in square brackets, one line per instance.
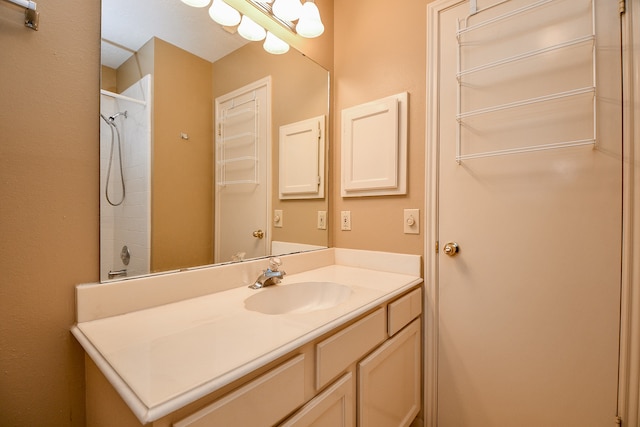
[31, 15]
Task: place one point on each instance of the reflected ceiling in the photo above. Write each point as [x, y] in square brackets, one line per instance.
[132, 23]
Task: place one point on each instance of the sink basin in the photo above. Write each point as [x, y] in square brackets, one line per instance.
[303, 297]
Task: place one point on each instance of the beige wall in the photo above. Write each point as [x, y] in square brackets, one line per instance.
[135, 68]
[108, 79]
[49, 126]
[182, 178]
[381, 52]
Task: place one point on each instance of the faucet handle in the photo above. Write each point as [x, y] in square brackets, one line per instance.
[274, 263]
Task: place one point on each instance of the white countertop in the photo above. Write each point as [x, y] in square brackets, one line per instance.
[162, 358]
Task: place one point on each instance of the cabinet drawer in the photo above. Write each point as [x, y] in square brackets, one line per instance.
[404, 310]
[334, 407]
[337, 352]
[262, 402]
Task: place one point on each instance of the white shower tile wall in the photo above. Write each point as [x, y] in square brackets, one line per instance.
[130, 223]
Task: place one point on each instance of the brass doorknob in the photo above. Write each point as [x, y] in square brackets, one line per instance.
[451, 249]
[259, 234]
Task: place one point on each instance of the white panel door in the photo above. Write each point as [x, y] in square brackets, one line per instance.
[243, 171]
[529, 305]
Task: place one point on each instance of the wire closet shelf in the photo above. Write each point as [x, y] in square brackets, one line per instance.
[462, 74]
[238, 150]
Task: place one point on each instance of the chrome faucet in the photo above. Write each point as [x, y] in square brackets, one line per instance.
[271, 276]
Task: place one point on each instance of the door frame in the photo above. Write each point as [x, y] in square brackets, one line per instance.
[629, 362]
[629, 365]
[266, 83]
[431, 308]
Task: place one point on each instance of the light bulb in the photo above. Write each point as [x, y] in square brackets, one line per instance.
[287, 10]
[273, 44]
[250, 30]
[196, 3]
[309, 24]
[224, 14]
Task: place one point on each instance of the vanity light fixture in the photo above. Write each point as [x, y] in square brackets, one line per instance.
[273, 44]
[197, 3]
[309, 25]
[250, 30]
[224, 14]
[284, 12]
[287, 10]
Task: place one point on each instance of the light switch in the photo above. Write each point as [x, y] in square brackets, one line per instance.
[412, 221]
[277, 218]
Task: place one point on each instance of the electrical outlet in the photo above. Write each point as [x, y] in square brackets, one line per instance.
[277, 218]
[322, 220]
[412, 221]
[345, 220]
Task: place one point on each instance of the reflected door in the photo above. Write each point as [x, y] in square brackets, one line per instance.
[242, 176]
[529, 298]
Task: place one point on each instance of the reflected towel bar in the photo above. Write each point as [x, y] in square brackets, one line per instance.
[31, 16]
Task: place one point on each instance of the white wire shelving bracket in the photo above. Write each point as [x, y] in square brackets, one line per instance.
[525, 102]
[499, 17]
[460, 74]
[473, 6]
[525, 55]
[31, 15]
[243, 135]
[224, 142]
[543, 147]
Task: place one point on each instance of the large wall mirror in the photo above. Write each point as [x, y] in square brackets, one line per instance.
[192, 121]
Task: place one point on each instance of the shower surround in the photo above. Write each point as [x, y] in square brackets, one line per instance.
[128, 224]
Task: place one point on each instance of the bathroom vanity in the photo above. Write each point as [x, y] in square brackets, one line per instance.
[337, 343]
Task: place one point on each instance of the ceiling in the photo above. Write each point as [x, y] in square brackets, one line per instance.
[132, 23]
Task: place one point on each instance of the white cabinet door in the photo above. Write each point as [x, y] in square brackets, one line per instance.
[302, 159]
[389, 381]
[334, 407]
[374, 147]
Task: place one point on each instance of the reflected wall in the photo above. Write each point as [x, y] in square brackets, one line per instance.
[184, 88]
[182, 174]
[300, 91]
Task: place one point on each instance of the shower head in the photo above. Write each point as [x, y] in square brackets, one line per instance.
[105, 119]
[120, 113]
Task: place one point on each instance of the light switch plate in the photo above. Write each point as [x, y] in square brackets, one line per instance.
[277, 218]
[345, 220]
[412, 221]
[322, 220]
